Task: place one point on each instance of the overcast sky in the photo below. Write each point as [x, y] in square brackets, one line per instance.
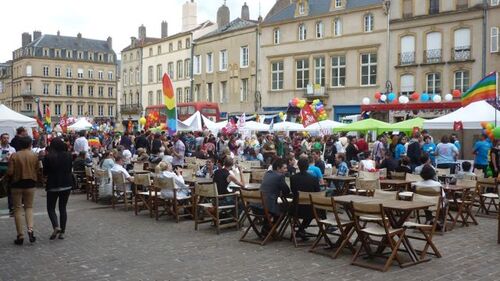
[98, 19]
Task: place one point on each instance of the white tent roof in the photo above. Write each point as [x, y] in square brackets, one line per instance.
[287, 126]
[10, 118]
[212, 126]
[254, 126]
[80, 124]
[193, 123]
[324, 125]
[471, 117]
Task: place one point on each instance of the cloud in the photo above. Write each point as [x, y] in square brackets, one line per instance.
[98, 19]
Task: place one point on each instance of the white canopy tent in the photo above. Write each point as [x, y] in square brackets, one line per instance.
[193, 123]
[324, 125]
[287, 126]
[471, 117]
[254, 126]
[212, 126]
[11, 120]
[80, 125]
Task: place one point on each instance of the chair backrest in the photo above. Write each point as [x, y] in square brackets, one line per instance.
[200, 162]
[328, 171]
[163, 183]
[142, 179]
[368, 175]
[246, 176]
[383, 173]
[206, 190]
[188, 173]
[101, 174]
[398, 175]
[305, 197]
[479, 173]
[469, 177]
[193, 167]
[368, 184]
[88, 172]
[138, 166]
[190, 160]
[467, 183]
[443, 172]
[251, 196]
[258, 175]
[382, 194]
[427, 191]
[320, 202]
[371, 210]
[413, 177]
[118, 178]
[255, 164]
[436, 200]
[245, 165]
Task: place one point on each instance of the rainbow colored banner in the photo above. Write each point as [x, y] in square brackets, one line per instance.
[170, 103]
[486, 89]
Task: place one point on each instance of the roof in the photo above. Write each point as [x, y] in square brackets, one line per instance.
[140, 43]
[236, 24]
[316, 8]
[71, 43]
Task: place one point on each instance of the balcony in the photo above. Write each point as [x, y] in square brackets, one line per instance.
[406, 58]
[433, 56]
[27, 93]
[131, 108]
[461, 53]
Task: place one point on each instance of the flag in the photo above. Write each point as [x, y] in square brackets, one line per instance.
[170, 103]
[48, 121]
[307, 115]
[271, 126]
[64, 123]
[482, 90]
[39, 116]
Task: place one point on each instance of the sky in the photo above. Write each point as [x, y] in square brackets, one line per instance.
[98, 19]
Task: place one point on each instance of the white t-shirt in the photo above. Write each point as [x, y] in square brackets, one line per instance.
[81, 144]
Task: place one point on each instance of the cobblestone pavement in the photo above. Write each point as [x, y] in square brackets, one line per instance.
[106, 244]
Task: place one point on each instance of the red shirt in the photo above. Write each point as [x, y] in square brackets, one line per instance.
[362, 145]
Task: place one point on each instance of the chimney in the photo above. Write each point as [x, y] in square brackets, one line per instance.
[223, 16]
[36, 35]
[58, 33]
[142, 32]
[164, 29]
[189, 15]
[25, 39]
[133, 41]
[245, 12]
[110, 42]
[79, 35]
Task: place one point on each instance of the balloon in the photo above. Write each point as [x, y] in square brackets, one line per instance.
[425, 97]
[436, 98]
[301, 104]
[484, 124]
[489, 126]
[415, 96]
[391, 96]
[383, 97]
[378, 95]
[316, 101]
[142, 121]
[448, 97]
[457, 93]
[395, 101]
[402, 99]
[496, 133]
[366, 100]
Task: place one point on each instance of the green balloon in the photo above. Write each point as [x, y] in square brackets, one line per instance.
[496, 133]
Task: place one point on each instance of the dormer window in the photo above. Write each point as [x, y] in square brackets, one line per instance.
[100, 57]
[91, 56]
[45, 52]
[57, 53]
[302, 8]
[338, 3]
[80, 55]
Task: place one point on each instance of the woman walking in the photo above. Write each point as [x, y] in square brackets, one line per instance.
[57, 167]
[24, 173]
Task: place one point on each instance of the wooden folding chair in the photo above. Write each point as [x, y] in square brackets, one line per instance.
[345, 228]
[428, 228]
[398, 175]
[245, 165]
[385, 195]
[303, 201]
[376, 226]
[257, 176]
[463, 206]
[171, 206]
[120, 193]
[90, 184]
[413, 178]
[190, 160]
[256, 212]
[208, 202]
[383, 173]
[487, 195]
[138, 166]
[368, 175]
[365, 186]
[143, 195]
[255, 164]
[188, 173]
[443, 172]
[192, 167]
[101, 178]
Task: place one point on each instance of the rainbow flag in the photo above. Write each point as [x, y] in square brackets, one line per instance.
[39, 116]
[483, 90]
[170, 103]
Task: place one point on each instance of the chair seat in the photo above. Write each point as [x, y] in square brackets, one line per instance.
[143, 193]
[406, 194]
[371, 218]
[490, 195]
[410, 224]
[460, 201]
[378, 230]
[206, 205]
[334, 222]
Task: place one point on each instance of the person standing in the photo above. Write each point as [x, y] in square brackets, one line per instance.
[446, 153]
[351, 151]
[6, 151]
[20, 133]
[379, 149]
[362, 144]
[414, 151]
[400, 150]
[178, 152]
[495, 158]
[481, 151]
[429, 149]
[81, 143]
[57, 168]
[24, 174]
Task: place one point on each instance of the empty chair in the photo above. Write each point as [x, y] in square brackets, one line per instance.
[121, 190]
[385, 195]
[413, 178]
[208, 203]
[143, 195]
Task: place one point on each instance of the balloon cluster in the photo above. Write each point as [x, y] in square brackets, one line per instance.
[389, 98]
[317, 107]
[151, 120]
[424, 97]
[296, 102]
[142, 121]
[282, 116]
[162, 127]
[490, 130]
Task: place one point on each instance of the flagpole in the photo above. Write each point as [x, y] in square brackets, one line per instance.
[496, 97]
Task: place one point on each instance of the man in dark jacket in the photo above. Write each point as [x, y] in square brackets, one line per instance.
[141, 141]
[414, 151]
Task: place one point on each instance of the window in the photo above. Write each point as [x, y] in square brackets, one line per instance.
[170, 47]
[407, 55]
[150, 98]
[45, 88]
[462, 4]
[337, 27]
[433, 7]
[101, 75]
[188, 43]
[110, 75]
[277, 73]
[69, 54]
[29, 107]
[276, 36]
[223, 60]
[223, 92]
[45, 52]
[91, 91]
[159, 72]
[494, 40]
[91, 56]
[100, 91]
[197, 93]
[137, 98]
[79, 90]
[170, 70]
[45, 106]
[187, 68]
[111, 110]
[58, 89]
[91, 73]
[159, 97]
[187, 95]
[180, 72]
[495, 2]
[462, 80]
[368, 69]
[319, 71]
[302, 8]
[80, 55]
[302, 67]
[137, 76]
[338, 3]
[179, 94]
[69, 90]
[407, 84]
[210, 92]
[100, 57]
[338, 71]
[433, 51]
[90, 110]
[158, 50]
[197, 64]
[179, 45]
[100, 110]
[244, 56]
[79, 109]
[433, 83]
[462, 47]
[57, 109]
[29, 70]
[150, 74]
[57, 53]
[407, 8]
[319, 29]
[57, 71]
[210, 63]
[69, 109]
[244, 90]
[302, 32]
[368, 23]
[45, 71]
[110, 92]
[80, 73]
[69, 72]
[150, 52]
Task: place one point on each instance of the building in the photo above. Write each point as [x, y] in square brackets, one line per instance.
[492, 55]
[225, 64]
[69, 75]
[332, 50]
[5, 83]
